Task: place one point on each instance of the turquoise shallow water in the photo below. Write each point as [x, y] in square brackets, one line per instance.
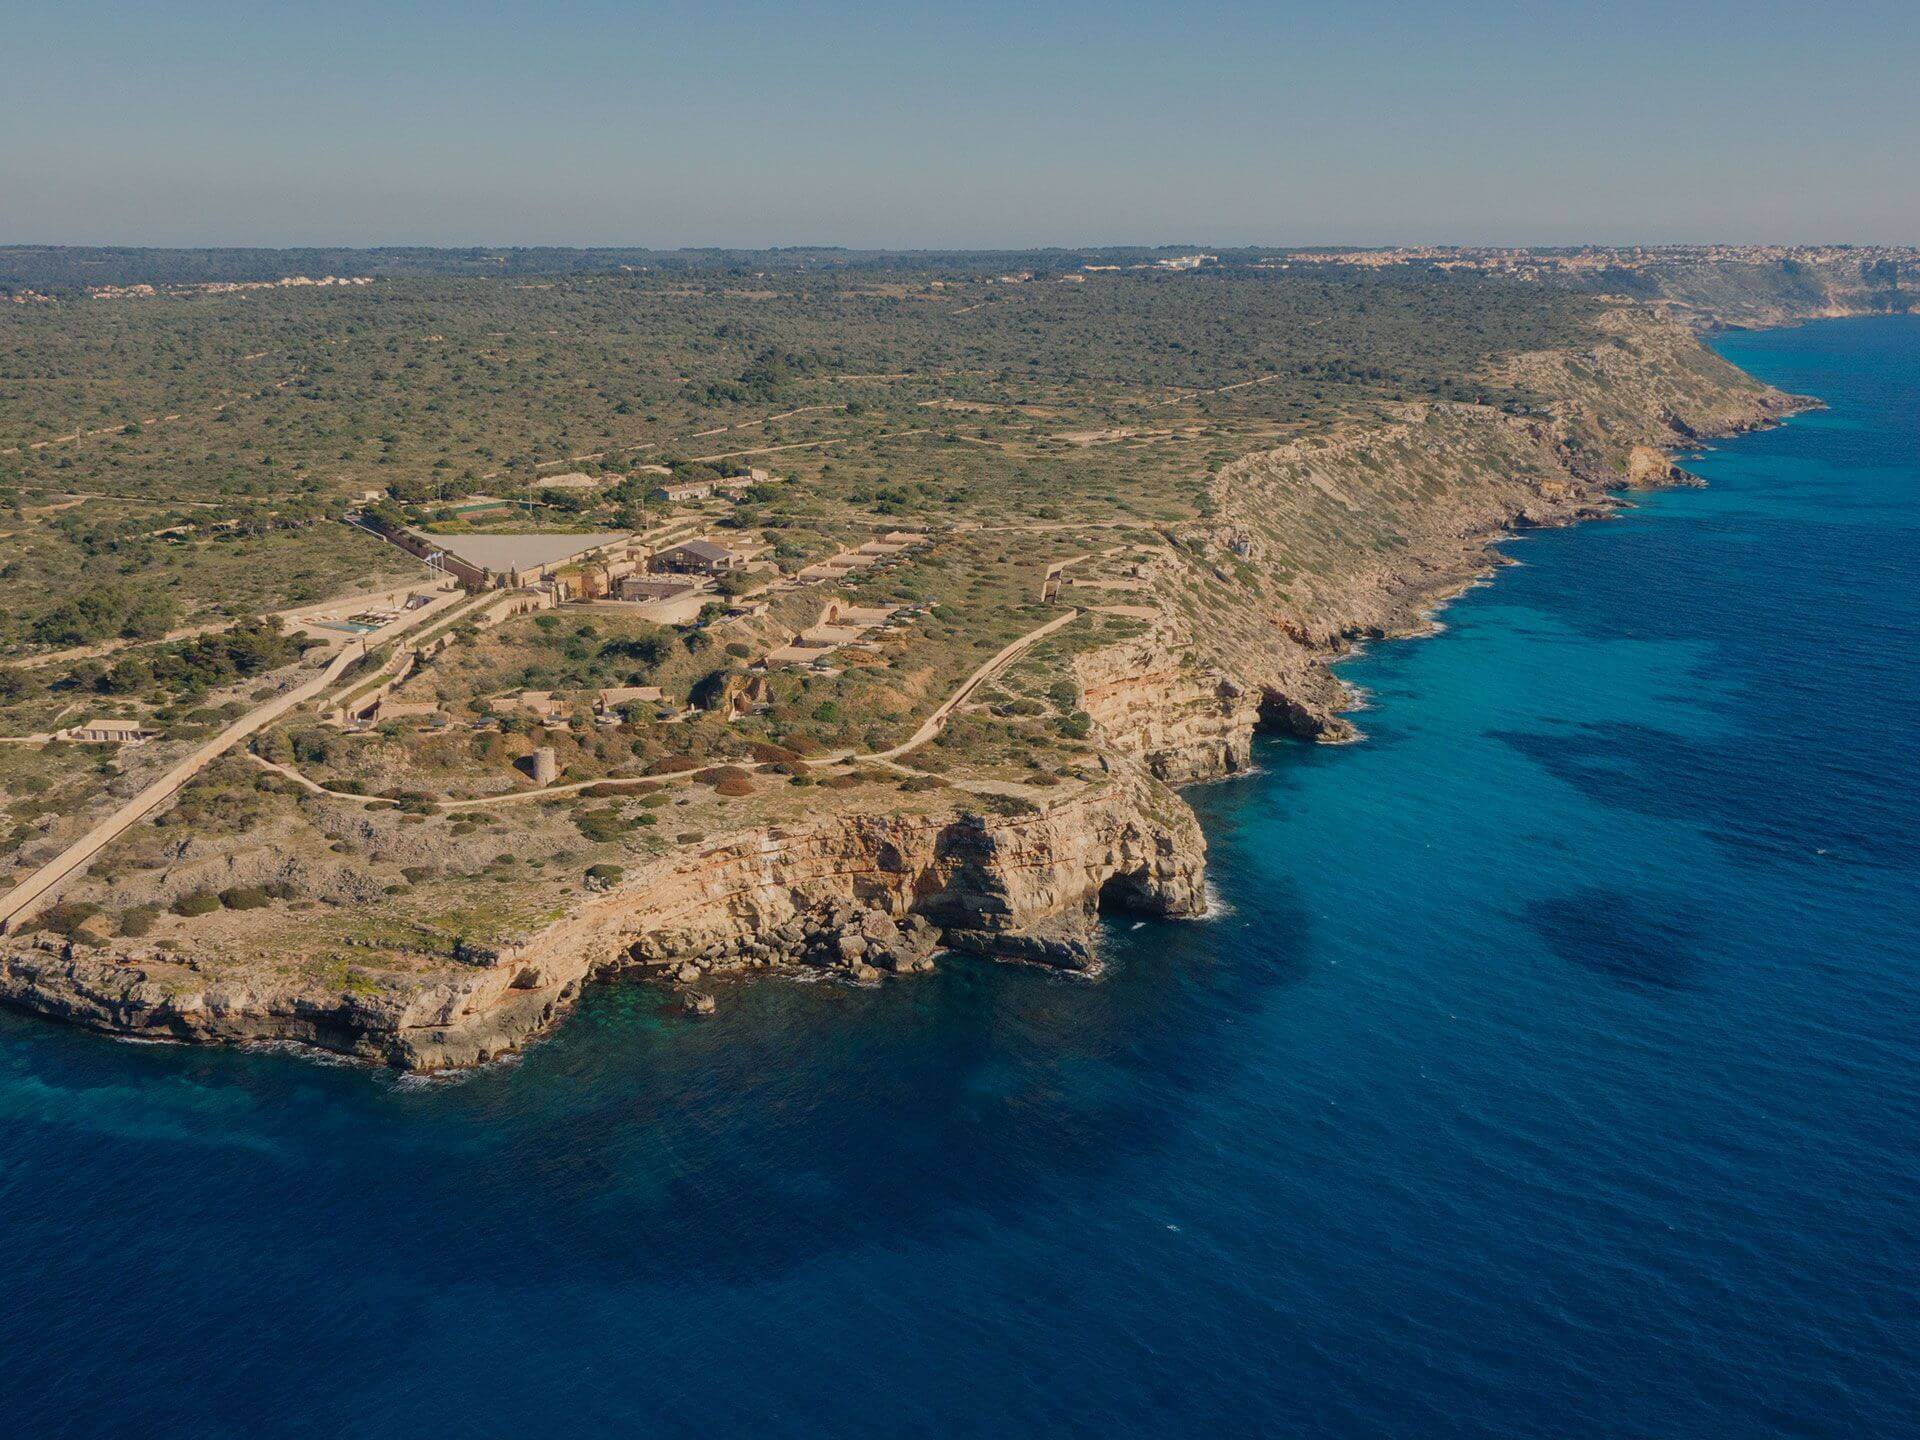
[1552, 1070]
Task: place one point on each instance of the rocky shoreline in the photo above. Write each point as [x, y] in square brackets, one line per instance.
[864, 897]
[870, 897]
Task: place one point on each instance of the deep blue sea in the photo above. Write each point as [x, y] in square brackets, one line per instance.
[1552, 1069]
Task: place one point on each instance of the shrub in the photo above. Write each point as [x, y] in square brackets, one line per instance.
[1007, 804]
[673, 765]
[718, 775]
[1077, 726]
[67, 917]
[913, 784]
[243, 897]
[732, 786]
[200, 902]
[606, 874]
[601, 826]
[138, 920]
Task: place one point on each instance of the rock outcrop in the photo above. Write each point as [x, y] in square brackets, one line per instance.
[1156, 701]
[1323, 543]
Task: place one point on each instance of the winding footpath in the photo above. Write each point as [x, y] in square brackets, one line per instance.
[932, 726]
[973, 682]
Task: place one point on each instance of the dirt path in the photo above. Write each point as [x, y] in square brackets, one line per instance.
[37, 889]
[973, 682]
[813, 444]
[82, 434]
[109, 647]
[755, 424]
[290, 618]
[932, 726]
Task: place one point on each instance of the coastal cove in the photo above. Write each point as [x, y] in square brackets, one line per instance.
[1547, 1067]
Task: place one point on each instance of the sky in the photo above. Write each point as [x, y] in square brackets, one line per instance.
[990, 124]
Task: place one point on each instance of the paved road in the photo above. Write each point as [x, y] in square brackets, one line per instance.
[39, 888]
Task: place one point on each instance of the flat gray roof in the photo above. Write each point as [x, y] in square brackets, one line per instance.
[700, 549]
[501, 553]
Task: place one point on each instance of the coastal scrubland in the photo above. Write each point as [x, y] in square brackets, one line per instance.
[1149, 506]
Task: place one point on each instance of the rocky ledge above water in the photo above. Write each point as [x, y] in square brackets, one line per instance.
[862, 898]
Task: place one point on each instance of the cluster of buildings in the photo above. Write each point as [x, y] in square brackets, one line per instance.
[1525, 263]
[1171, 262]
[680, 492]
[580, 565]
[586, 566]
[223, 287]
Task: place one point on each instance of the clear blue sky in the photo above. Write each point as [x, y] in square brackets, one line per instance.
[988, 124]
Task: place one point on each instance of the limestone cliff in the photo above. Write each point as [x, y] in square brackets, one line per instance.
[1361, 534]
[1020, 885]
[1157, 701]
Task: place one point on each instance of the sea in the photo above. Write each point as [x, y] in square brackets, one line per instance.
[1549, 1067]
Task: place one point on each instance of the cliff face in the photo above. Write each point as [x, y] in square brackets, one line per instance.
[1022, 886]
[1320, 543]
[1157, 702]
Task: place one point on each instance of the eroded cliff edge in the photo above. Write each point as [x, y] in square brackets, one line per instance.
[1021, 886]
[1305, 548]
[1329, 541]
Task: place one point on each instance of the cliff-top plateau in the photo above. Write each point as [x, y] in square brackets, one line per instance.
[394, 647]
